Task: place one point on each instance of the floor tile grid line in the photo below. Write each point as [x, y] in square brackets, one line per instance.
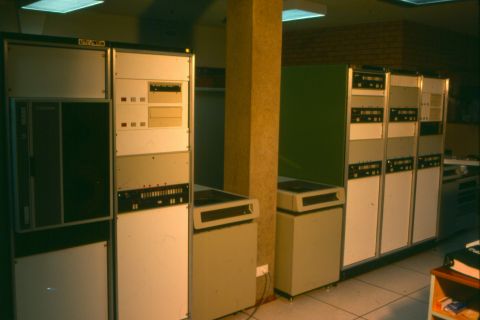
[393, 301]
[407, 295]
[401, 296]
[247, 315]
[416, 299]
[410, 269]
[332, 305]
[361, 315]
[306, 294]
[386, 289]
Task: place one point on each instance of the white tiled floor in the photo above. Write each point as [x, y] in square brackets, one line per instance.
[398, 291]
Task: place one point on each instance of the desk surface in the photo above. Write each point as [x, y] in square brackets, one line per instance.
[461, 162]
[449, 274]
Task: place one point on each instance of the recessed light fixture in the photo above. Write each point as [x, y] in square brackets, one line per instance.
[419, 2]
[60, 6]
[302, 9]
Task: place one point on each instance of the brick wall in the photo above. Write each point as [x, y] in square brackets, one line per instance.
[371, 44]
[436, 47]
[401, 44]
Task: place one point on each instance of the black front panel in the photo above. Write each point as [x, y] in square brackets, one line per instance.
[430, 161]
[403, 114]
[399, 164]
[148, 198]
[431, 128]
[86, 174]
[367, 80]
[366, 169]
[6, 304]
[366, 115]
[62, 162]
[45, 163]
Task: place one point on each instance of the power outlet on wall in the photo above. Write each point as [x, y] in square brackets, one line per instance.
[261, 270]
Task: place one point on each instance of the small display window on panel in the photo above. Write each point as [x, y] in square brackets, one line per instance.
[164, 92]
[169, 112]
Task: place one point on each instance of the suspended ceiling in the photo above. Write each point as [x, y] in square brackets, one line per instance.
[460, 16]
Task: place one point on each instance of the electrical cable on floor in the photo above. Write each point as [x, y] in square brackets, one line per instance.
[268, 281]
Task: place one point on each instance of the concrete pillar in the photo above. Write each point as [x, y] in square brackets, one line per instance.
[252, 107]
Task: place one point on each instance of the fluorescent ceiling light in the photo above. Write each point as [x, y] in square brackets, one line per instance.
[302, 9]
[297, 14]
[422, 2]
[61, 6]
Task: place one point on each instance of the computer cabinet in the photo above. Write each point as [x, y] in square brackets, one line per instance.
[376, 133]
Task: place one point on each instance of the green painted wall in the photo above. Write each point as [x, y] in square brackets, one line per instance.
[6, 300]
[312, 123]
[209, 137]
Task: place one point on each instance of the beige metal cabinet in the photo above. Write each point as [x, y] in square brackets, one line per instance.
[308, 242]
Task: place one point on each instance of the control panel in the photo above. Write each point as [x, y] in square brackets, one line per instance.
[367, 80]
[399, 164]
[366, 169]
[148, 198]
[432, 106]
[151, 105]
[366, 115]
[367, 102]
[403, 114]
[429, 161]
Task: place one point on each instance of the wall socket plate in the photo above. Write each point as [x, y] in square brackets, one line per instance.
[261, 270]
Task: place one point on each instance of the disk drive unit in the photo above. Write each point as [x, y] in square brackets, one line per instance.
[401, 144]
[430, 158]
[309, 235]
[60, 177]
[153, 103]
[338, 111]
[224, 253]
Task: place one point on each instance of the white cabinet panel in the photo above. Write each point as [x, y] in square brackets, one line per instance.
[151, 66]
[152, 262]
[396, 210]
[35, 71]
[426, 204]
[366, 131]
[64, 284]
[361, 219]
[402, 129]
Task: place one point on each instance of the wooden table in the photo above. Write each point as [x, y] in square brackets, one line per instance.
[448, 283]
